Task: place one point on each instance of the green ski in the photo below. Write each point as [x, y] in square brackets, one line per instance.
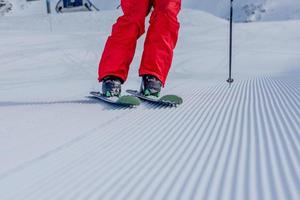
[126, 100]
[166, 100]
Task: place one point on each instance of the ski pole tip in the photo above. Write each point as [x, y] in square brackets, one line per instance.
[230, 80]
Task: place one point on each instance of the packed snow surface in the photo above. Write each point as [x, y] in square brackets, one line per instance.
[225, 142]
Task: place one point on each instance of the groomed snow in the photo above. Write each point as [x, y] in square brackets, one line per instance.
[238, 142]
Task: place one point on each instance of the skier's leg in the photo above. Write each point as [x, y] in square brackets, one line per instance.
[120, 46]
[161, 39]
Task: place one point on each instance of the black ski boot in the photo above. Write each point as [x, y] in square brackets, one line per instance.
[151, 86]
[111, 86]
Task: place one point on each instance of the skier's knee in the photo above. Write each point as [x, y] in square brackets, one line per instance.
[172, 7]
[129, 20]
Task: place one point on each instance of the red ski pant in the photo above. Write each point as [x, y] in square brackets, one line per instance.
[160, 41]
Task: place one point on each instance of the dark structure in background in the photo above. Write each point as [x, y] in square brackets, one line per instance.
[75, 5]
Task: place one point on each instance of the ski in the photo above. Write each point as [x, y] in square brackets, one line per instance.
[166, 100]
[126, 100]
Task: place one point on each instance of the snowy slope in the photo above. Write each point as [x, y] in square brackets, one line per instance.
[238, 142]
[250, 10]
[245, 10]
[22, 7]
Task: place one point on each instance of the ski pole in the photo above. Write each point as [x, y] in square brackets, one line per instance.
[230, 79]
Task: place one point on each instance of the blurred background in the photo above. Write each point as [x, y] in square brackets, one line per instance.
[245, 10]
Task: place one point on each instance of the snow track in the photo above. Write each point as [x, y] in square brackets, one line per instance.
[238, 142]
[249, 150]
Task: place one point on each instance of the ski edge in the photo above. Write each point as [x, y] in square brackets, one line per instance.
[162, 100]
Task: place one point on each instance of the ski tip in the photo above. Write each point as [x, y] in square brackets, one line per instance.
[130, 100]
[173, 99]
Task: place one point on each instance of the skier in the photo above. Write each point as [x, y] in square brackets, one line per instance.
[160, 42]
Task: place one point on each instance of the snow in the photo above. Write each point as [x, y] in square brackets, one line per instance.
[5, 7]
[24, 7]
[244, 10]
[249, 10]
[238, 142]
